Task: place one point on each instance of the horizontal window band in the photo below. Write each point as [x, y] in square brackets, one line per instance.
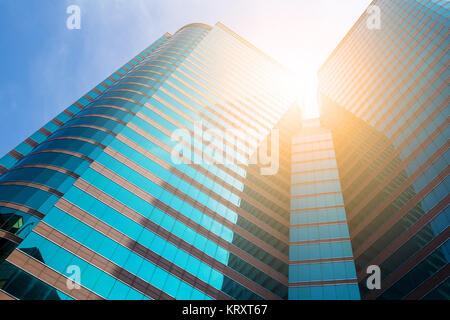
[207, 52]
[88, 126]
[430, 284]
[163, 233]
[314, 182]
[161, 58]
[121, 98]
[144, 252]
[33, 185]
[408, 234]
[431, 51]
[216, 89]
[294, 153]
[109, 106]
[149, 64]
[314, 170]
[10, 236]
[131, 75]
[136, 92]
[181, 126]
[176, 49]
[403, 22]
[400, 167]
[236, 87]
[78, 138]
[22, 208]
[149, 175]
[171, 107]
[71, 153]
[392, 139]
[133, 83]
[399, 214]
[159, 99]
[185, 104]
[252, 47]
[169, 149]
[411, 263]
[295, 243]
[47, 166]
[301, 196]
[325, 260]
[148, 67]
[100, 262]
[167, 132]
[316, 224]
[300, 143]
[200, 25]
[100, 116]
[177, 215]
[313, 160]
[48, 275]
[322, 283]
[316, 209]
[234, 109]
[203, 62]
[234, 122]
[224, 168]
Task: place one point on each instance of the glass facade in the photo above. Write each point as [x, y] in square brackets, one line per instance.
[321, 265]
[189, 174]
[97, 193]
[384, 97]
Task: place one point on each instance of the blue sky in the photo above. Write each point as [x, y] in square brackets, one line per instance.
[46, 67]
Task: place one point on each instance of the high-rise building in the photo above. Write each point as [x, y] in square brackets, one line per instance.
[189, 174]
[134, 192]
[384, 97]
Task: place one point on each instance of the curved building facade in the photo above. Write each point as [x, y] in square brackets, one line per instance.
[93, 205]
[189, 174]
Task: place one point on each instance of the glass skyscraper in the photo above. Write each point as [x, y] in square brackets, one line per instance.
[384, 97]
[190, 174]
[96, 196]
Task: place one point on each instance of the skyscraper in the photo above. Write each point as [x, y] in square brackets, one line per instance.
[384, 97]
[127, 195]
[189, 174]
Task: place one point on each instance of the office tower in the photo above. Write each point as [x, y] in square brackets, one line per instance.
[321, 264]
[189, 174]
[384, 97]
[127, 195]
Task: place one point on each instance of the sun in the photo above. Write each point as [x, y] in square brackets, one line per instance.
[304, 68]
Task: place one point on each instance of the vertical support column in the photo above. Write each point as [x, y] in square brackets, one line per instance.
[321, 264]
